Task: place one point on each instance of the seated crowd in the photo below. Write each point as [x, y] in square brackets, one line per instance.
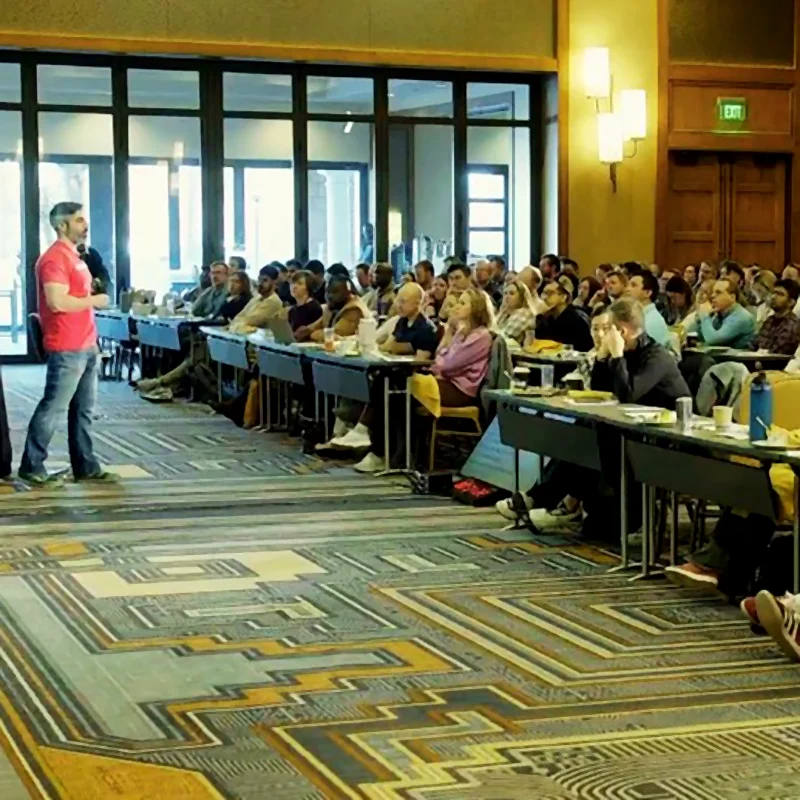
[632, 322]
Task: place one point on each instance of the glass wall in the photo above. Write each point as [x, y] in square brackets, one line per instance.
[12, 260]
[182, 161]
[166, 202]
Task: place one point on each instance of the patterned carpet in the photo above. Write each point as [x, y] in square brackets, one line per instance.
[237, 620]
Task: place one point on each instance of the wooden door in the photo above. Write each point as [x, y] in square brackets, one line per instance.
[756, 198]
[695, 209]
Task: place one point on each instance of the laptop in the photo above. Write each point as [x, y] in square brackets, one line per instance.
[281, 330]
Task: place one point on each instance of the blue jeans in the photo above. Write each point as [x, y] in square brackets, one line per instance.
[71, 388]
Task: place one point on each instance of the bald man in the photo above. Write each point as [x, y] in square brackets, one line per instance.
[532, 278]
[414, 333]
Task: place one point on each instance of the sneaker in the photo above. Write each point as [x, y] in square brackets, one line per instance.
[692, 576]
[40, 478]
[750, 610]
[510, 508]
[340, 428]
[98, 477]
[370, 463]
[780, 622]
[147, 384]
[353, 440]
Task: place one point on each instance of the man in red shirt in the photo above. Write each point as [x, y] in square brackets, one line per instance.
[66, 308]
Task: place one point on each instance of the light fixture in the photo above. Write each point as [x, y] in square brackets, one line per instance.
[597, 72]
[348, 126]
[614, 128]
[633, 114]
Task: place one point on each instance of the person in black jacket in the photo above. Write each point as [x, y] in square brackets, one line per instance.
[637, 370]
[633, 366]
[562, 322]
[101, 278]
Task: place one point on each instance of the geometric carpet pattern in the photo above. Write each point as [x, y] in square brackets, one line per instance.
[268, 625]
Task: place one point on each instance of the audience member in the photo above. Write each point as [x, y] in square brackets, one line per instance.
[240, 293]
[724, 322]
[643, 288]
[435, 297]
[306, 310]
[499, 271]
[630, 268]
[462, 360]
[763, 286]
[237, 264]
[264, 306]
[587, 289]
[791, 273]
[532, 278]
[484, 278]
[708, 272]
[338, 269]
[562, 322]
[549, 266]
[203, 282]
[284, 287]
[364, 278]
[602, 272]
[380, 298]
[101, 278]
[734, 273]
[570, 266]
[425, 274]
[343, 311]
[690, 275]
[517, 314]
[615, 287]
[570, 283]
[679, 299]
[459, 279]
[780, 332]
[407, 277]
[317, 270]
[210, 302]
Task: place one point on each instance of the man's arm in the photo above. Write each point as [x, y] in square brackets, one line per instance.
[59, 299]
[631, 388]
[733, 326]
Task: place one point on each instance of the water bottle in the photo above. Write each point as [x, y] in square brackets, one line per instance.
[760, 408]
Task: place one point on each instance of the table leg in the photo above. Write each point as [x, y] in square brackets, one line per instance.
[623, 506]
[219, 381]
[269, 404]
[386, 439]
[673, 530]
[408, 425]
[260, 401]
[646, 533]
[796, 535]
[327, 414]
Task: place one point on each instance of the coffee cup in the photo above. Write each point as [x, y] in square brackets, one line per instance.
[723, 417]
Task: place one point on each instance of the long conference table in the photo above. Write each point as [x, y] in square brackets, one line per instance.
[699, 462]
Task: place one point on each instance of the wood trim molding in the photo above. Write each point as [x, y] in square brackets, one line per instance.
[282, 52]
[562, 55]
[662, 157]
[716, 73]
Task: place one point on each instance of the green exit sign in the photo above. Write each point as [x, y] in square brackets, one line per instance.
[731, 109]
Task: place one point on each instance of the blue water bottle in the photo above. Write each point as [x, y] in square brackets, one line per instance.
[760, 408]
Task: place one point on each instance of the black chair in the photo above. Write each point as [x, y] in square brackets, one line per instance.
[36, 335]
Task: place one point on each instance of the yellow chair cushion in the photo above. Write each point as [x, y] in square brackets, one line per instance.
[785, 399]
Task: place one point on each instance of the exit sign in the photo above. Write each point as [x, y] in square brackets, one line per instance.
[731, 109]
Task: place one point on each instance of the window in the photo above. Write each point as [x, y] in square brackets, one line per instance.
[329, 95]
[420, 194]
[498, 101]
[166, 205]
[12, 256]
[77, 86]
[246, 92]
[154, 88]
[488, 211]
[499, 182]
[10, 85]
[420, 98]
[341, 178]
[77, 164]
[259, 190]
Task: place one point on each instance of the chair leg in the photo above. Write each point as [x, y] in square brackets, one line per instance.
[432, 450]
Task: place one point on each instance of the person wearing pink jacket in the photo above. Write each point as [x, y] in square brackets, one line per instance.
[462, 359]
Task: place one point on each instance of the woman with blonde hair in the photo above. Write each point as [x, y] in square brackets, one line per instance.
[462, 359]
[517, 313]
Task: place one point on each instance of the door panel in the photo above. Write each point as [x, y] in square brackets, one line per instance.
[695, 211]
[758, 211]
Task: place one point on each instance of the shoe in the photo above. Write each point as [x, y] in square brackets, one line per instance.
[40, 478]
[161, 394]
[370, 463]
[340, 428]
[692, 576]
[510, 508]
[353, 440]
[147, 384]
[780, 622]
[98, 477]
[749, 609]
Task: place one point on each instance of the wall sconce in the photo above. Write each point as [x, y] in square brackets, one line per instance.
[614, 129]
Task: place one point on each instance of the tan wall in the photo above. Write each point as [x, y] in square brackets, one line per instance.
[512, 34]
[604, 226]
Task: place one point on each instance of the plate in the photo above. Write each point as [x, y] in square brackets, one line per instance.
[767, 445]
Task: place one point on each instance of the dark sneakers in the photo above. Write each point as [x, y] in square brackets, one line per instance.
[781, 622]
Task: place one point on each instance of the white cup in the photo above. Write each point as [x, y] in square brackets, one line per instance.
[723, 417]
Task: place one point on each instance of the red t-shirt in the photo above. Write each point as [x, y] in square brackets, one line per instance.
[60, 263]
